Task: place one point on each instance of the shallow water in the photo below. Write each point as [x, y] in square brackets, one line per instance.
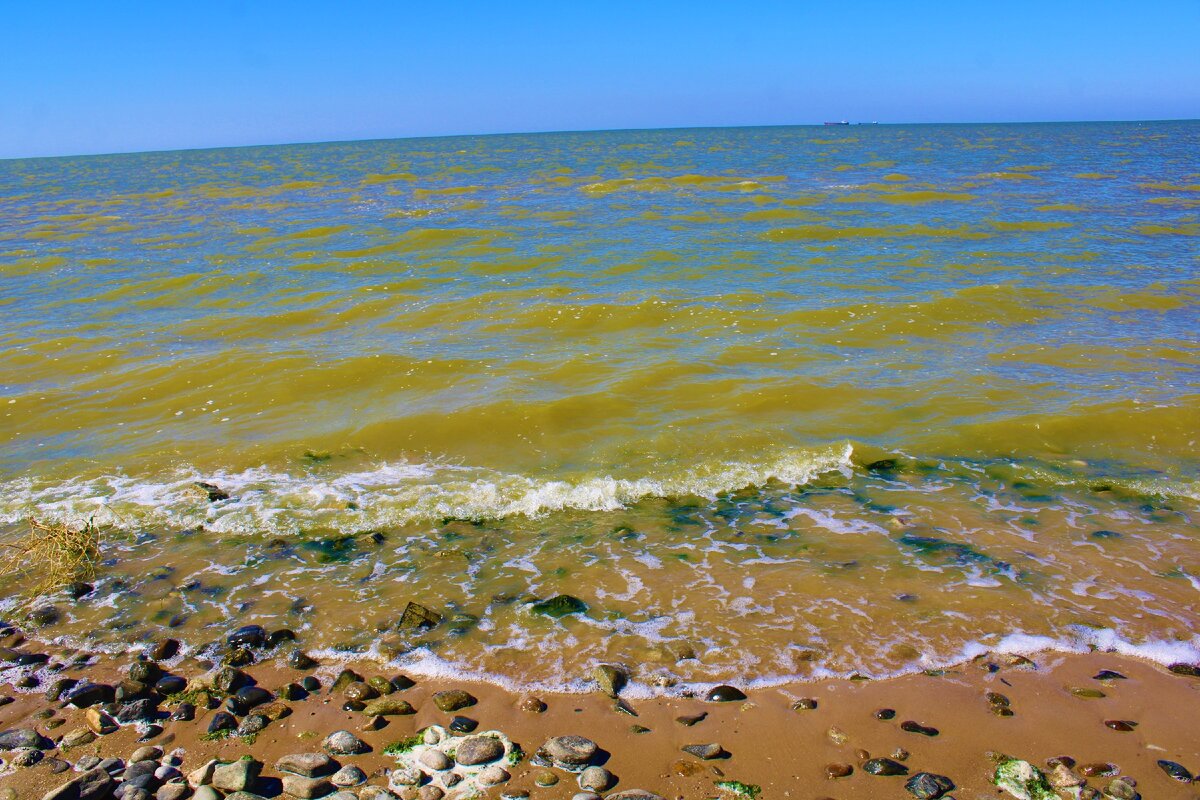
[651, 369]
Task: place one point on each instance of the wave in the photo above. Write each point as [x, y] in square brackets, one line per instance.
[262, 500]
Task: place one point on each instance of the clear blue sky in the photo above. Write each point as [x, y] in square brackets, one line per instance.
[87, 77]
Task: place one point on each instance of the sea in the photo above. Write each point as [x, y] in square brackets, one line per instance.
[772, 404]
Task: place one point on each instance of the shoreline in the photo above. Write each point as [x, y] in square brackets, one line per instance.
[764, 740]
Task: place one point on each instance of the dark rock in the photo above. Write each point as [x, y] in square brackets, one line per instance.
[688, 720]
[1108, 675]
[705, 752]
[835, 771]
[130, 690]
[252, 724]
[276, 638]
[310, 684]
[144, 672]
[462, 725]
[344, 679]
[250, 696]
[804, 704]
[453, 700]
[360, 692]
[95, 784]
[1176, 771]
[19, 738]
[916, 727]
[1099, 769]
[1122, 725]
[622, 707]
[239, 657]
[184, 712]
[402, 682]
[353, 705]
[884, 766]
[380, 684]
[59, 688]
[478, 750]
[612, 679]
[229, 679]
[222, 721]
[44, 615]
[1190, 670]
[885, 714]
[724, 694]
[247, 636]
[215, 494]
[149, 732]
[418, 617]
[169, 685]
[89, 694]
[559, 606]
[135, 711]
[292, 691]
[164, 649]
[928, 786]
[298, 659]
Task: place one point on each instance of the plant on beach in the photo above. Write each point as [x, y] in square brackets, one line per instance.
[53, 555]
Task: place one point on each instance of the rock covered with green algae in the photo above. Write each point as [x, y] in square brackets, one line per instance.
[1022, 780]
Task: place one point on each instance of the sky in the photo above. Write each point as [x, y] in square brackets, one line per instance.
[100, 77]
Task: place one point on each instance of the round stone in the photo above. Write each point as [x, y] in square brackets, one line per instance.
[478, 750]
[595, 779]
[435, 760]
[493, 775]
[572, 751]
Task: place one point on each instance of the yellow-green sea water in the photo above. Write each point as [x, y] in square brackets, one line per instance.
[771, 401]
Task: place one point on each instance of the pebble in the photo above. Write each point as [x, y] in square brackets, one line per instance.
[804, 704]
[706, 752]
[493, 775]
[885, 766]
[238, 776]
[462, 725]
[1175, 771]
[348, 775]
[571, 753]
[436, 760]
[835, 771]
[885, 714]
[1122, 725]
[916, 727]
[545, 779]
[475, 750]
[344, 743]
[1099, 769]
[453, 700]
[724, 694]
[595, 779]
[928, 786]
[688, 720]
[532, 705]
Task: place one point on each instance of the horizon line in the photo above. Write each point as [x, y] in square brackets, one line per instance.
[841, 123]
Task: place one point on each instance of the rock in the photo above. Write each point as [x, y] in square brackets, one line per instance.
[305, 788]
[453, 700]
[724, 694]
[228, 680]
[804, 704]
[252, 724]
[169, 685]
[203, 775]
[404, 776]
[222, 721]
[1099, 769]
[885, 714]
[884, 766]
[418, 617]
[1190, 670]
[1022, 780]
[462, 725]
[359, 691]
[344, 743]
[634, 794]
[164, 649]
[1061, 777]
[215, 493]
[147, 753]
[571, 753]
[77, 738]
[205, 793]
[546, 779]
[95, 784]
[1120, 789]
[835, 771]
[172, 791]
[59, 688]
[1108, 675]
[928, 786]
[298, 659]
[375, 793]
[388, 707]
[532, 705]
[475, 750]
[88, 694]
[430, 792]
[586, 796]
[492, 776]
[238, 776]
[132, 792]
[26, 757]
[559, 606]
[1122, 725]
[348, 776]
[18, 738]
[431, 735]
[44, 615]
[309, 765]
[706, 752]
[144, 672]
[916, 727]
[253, 796]
[249, 697]
[595, 779]
[436, 760]
[168, 774]
[688, 720]
[184, 712]
[310, 683]
[612, 679]
[274, 711]
[1175, 771]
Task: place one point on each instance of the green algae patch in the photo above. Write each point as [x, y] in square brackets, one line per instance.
[739, 789]
[404, 745]
[1022, 780]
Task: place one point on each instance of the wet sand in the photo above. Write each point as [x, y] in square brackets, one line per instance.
[785, 751]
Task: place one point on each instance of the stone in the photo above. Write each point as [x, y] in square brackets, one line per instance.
[360, 691]
[586, 796]
[147, 753]
[388, 707]
[688, 720]
[94, 784]
[253, 796]
[1120, 789]
[249, 697]
[168, 774]
[453, 700]
[916, 727]
[136, 711]
[205, 793]
[88, 694]
[229, 679]
[404, 776]
[305, 788]
[1099, 769]
[462, 725]
[222, 721]
[169, 685]
[595, 779]
[310, 765]
[77, 738]
[705, 752]
[202, 776]
[532, 705]
[835, 771]
[348, 775]
[164, 649]
[804, 704]
[559, 606]
[928, 786]
[19, 738]
[1022, 780]
[430, 792]
[546, 779]
[274, 711]
[184, 712]
[1189, 670]
[144, 672]
[1121, 725]
[238, 776]
[298, 659]
[344, 743]
[418, 617]
[1175, 771]
[492, 775]
[475, 750]
[571, 753]
[724, 694]
[885, 714]
[172, 791]
[252, 724]
[435, 760]
[26, 757]
[612, 679]
[634, 794]
[884, 766]
[132, 792]
[375, 793]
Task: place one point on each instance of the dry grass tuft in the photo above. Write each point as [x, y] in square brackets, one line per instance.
[53, 555]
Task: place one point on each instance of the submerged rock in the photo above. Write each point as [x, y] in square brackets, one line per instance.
[559, 606]
[418, 617]
[928, 786]
[612, 679]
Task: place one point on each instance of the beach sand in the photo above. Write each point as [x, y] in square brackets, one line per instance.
[769, 743]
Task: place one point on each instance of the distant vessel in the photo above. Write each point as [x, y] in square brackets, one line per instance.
[838, 123]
